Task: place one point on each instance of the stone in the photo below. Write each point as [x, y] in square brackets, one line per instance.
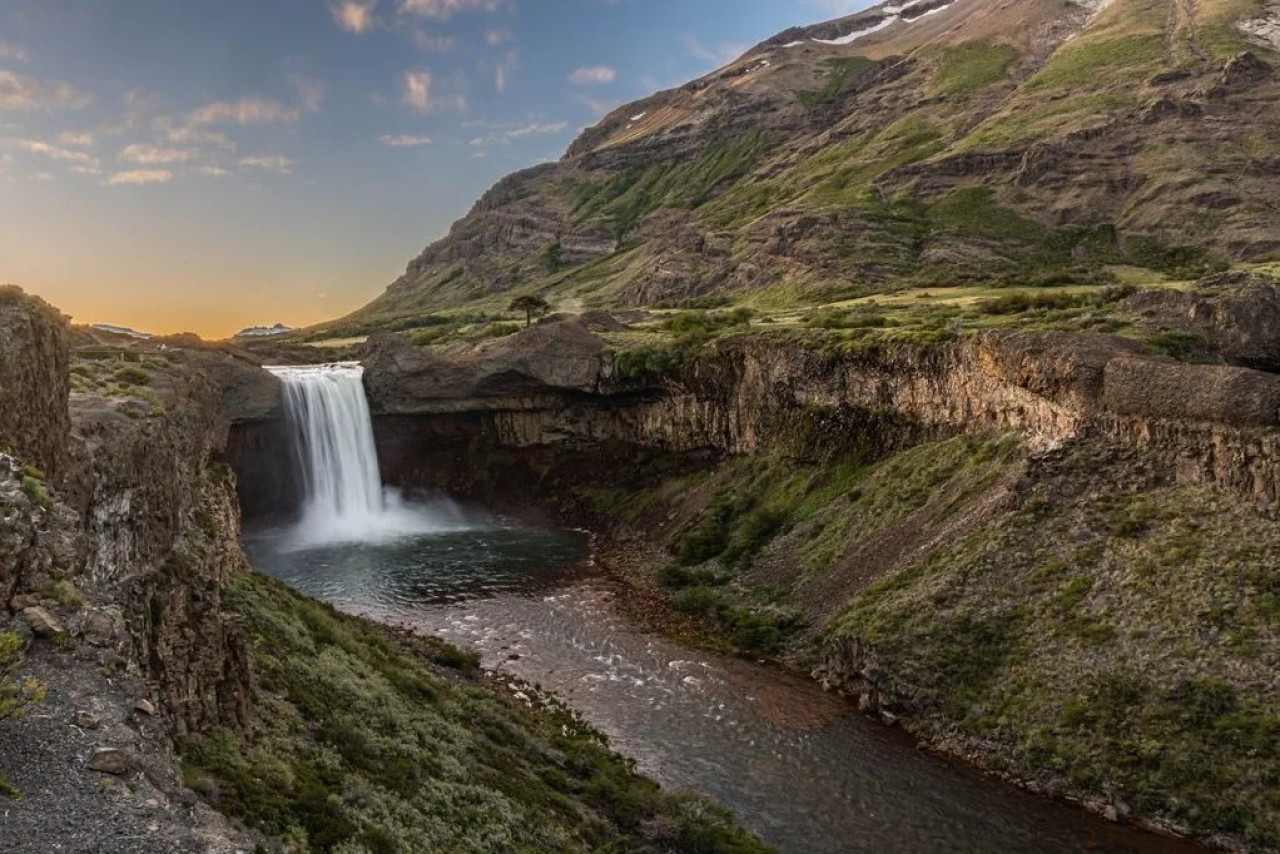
[144, 706]
[108, 760]
[87, 720]
[23, 602]
[42, 623]
[100, 628]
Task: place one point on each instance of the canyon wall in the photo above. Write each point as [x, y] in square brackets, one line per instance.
[559, 385]
[131, 504]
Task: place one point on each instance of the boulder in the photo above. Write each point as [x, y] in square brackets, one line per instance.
[108, 760]
[42, 623]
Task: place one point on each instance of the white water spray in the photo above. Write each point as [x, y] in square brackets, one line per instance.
[343, 496]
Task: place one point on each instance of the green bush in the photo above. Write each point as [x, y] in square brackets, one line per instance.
[132, 376]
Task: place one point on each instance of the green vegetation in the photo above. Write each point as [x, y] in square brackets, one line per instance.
[531, 305]
[16, 696]
[1072, 629]
[972, 67]
[132, 376]
[366, 746]
[36, 492]
[840, 72]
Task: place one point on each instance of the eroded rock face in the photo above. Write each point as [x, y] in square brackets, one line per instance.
[1236, 314]
[1209, 424]
[34, 381]
[546, 359]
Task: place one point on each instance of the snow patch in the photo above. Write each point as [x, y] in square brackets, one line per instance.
[639, 116]
[892, 15]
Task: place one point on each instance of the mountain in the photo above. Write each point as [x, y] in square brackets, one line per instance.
[263, 331]
[933, 142]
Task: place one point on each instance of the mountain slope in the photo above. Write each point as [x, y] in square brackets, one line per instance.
[936, 142]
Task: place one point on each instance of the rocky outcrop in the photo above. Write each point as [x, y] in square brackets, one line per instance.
[34, 383]
[1235, 315]
[1209, 424]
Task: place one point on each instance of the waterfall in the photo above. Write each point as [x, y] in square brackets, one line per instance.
[343, 496]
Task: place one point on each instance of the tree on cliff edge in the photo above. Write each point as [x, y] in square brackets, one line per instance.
[532, 306]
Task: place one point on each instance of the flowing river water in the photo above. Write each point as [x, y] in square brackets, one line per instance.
[794, 763]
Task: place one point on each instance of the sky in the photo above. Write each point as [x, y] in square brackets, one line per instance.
[206, 165]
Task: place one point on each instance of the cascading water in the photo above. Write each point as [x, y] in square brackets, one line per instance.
[343, 496]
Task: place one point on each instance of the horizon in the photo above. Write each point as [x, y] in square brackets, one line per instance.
[254, 165]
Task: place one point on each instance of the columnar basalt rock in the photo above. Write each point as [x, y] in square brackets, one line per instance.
[34, 381]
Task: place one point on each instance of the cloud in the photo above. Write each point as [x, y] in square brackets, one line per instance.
[498, 36]
[19, 92]
[273, 163]
[55, 152]
[245, 111]
[502, 73]
[417, 90]
[596, 75]
[68, 137]
[141, 176]
[212, 171]
[12, 52]
[309, 90]
[429, 42]
[444, 9]
[354, 16]
[150, 155]
[403, 140]
[532, 129]
[418, 94]
[721, 54]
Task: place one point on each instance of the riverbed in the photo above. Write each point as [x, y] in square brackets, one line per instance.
[795, 764]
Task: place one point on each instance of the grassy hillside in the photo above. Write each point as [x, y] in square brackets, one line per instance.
[976, 145]
[366, 744]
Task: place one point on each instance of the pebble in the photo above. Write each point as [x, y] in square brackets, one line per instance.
[87, 720]
[145, 706]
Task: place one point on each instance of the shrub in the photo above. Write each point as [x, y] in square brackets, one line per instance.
[132, 376]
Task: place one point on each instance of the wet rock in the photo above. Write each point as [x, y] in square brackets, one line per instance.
[108, 760]
[42, 623]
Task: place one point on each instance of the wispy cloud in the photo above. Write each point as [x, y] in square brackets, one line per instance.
[57, 152]
[498, 36]
[721, 54]
[244, 111]
[417, 90]
[309, 90]
[403, 140]
[444, 9]
[354, 16]
[212, 171]
[12, 52]
[151, 155]
[141, 176]
[429, 42]
[502, 74]
[272, 163]
[79, 138]
[20, 92]
[531, 129]
[595, 75]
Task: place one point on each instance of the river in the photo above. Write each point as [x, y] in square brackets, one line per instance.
[794, 763]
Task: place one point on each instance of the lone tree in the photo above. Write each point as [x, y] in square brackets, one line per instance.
[532, 306]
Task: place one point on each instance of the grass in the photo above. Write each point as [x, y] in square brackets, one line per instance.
[1072, 630]
[840, 72]
[366, 742]
[969, 68]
